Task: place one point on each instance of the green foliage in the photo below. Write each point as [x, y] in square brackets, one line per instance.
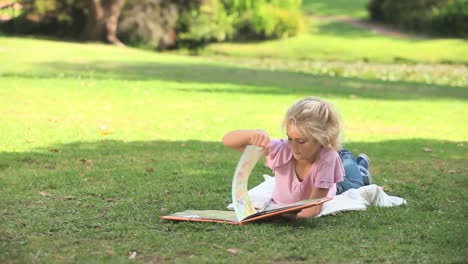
[438, 17]
[451, 19]
[51, 17]
[160, 23]
[218, 20]
[270, 21]
[266, 19]
[148, 23]
[207, 23]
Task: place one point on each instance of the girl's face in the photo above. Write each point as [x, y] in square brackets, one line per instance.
[302, 148]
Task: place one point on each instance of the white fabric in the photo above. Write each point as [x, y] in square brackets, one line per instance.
[351, 200]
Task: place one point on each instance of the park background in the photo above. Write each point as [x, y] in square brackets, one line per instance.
[103, 133]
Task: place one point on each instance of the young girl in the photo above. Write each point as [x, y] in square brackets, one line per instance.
[307, 164]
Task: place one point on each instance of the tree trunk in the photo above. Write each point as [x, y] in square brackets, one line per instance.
[103, 19]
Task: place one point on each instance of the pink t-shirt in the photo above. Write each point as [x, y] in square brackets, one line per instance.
[326, 171]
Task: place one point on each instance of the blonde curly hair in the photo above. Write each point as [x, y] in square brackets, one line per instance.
[316, 120]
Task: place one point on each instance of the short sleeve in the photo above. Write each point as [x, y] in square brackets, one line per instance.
[279, 153]
[330, 171]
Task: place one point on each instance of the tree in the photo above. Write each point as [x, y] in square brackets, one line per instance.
[102, 21]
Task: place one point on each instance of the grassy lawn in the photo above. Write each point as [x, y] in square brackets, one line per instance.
[328, 41]
[98, 142]
[353, 8]
[334, 40]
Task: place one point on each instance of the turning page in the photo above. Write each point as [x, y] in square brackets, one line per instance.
[240, 198]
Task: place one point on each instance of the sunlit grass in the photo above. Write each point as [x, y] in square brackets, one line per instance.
[98, 142]
[330, 45]
[353, 8]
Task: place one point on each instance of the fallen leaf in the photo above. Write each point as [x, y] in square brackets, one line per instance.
[233, 250]
[86, 162]
[54, 150]
[427, 150]
[163, 209]
[133, 254]
[408, 180]
[217, 246]
[110, 200]
[68, 197]
[149, 170]
[452, 171]
[45, 194]
[50, 167]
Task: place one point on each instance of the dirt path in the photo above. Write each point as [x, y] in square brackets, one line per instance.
[368, 25]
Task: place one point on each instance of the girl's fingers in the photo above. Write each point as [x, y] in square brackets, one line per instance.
[260, 140]
[266, 151]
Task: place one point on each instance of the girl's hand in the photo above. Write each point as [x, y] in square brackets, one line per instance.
[309, 212]
[261, 139]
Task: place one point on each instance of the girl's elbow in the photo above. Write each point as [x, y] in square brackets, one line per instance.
[226, 141]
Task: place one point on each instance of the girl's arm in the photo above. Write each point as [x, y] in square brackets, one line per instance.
[315, 210]
[239, 139]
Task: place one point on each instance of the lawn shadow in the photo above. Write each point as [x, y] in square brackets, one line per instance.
[168, 176]
[112, 194]
[342, 29]
[250, 81]
[335, 7]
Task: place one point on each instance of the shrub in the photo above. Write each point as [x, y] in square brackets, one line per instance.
[163, 23]
[149, 23]
[49, 17]
[207, 23]
[270, 21]
[266, 19]
[438, 17]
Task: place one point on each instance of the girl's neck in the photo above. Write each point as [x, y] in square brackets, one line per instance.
[305, 163]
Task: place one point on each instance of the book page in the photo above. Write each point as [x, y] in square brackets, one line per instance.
[240, 197]
[229, 216]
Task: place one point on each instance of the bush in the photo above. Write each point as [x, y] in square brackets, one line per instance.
[163, 23]
[273, 22]
[51, 17]
[207, 23]
[216, 20]
[451, 19]
[149, 23]
[266, 19]
[437, 17]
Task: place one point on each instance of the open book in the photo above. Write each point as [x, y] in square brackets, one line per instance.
[244, 211]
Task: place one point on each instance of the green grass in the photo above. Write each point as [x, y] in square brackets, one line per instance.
[353, 8]
[98, 142]
[326, 42]
[334, 40]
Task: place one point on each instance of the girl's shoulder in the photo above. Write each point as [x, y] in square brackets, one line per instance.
[277, 145]
[279, 153]
[328, 154]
